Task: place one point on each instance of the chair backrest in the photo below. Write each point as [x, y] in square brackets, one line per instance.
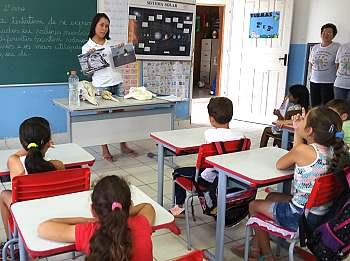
[215, 148]
[325, 189]
[48, 184]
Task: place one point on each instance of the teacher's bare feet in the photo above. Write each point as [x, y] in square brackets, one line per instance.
[126, 150]
[106, 154]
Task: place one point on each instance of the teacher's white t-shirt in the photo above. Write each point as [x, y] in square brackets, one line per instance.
[322, 60]
[108, 76]
[343, 73]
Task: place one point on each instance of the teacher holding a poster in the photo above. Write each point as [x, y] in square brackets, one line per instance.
[108, 78]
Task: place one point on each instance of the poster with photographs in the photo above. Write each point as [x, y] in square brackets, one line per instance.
[91, 62]
[161, 30]
[167, 77]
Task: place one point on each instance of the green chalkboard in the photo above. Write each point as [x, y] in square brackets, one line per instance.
[40, 39]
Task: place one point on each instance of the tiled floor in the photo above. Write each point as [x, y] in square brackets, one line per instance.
[141, 171]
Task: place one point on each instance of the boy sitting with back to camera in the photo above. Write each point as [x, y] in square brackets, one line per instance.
[220, 110]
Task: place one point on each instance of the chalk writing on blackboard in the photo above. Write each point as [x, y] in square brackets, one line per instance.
[22, 34]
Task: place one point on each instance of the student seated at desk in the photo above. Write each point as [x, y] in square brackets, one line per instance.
[35, 137]
[322, 129]
[118, 231]
[220, 110]
[342, 107]
[298, 98]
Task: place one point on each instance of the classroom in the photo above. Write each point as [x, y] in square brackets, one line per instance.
[174, 130]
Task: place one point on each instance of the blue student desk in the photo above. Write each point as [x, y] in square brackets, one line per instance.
[113, 122]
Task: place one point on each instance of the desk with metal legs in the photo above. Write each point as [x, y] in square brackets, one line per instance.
[180, 142]
[251, 167]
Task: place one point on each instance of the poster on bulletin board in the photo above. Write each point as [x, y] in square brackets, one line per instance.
[161, 30]
[264, 25]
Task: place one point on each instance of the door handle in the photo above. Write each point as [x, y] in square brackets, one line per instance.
[284, 58]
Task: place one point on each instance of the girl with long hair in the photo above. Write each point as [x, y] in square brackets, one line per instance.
[35, 138]
[117, 231]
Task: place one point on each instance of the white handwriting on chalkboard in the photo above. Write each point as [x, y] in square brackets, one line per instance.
[12, 8]
[25, 35]
[29, 20]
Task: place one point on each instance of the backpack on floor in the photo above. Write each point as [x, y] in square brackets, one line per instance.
[237, 200]
[331, 240]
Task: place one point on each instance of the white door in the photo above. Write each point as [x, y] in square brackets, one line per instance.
[256, 76]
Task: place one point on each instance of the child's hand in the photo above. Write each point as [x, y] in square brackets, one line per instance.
[297, 119]
[279, 124]
[120, 45]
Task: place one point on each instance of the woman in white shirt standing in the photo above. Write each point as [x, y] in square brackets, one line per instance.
[107, 78]
[342, 82]
[322, 60]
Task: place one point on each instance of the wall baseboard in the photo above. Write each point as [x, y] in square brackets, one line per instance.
[13, 143]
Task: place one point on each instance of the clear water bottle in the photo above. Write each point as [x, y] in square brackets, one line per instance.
[120, 90]
[74, 92]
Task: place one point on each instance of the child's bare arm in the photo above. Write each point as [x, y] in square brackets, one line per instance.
[61, 229]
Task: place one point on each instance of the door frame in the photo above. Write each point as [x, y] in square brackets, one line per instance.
[221, 39]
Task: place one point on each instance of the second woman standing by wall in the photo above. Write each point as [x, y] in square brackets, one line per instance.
[342, 82]
[322, 60]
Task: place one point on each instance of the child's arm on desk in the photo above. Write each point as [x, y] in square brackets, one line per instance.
[144, 209]
[61, 229]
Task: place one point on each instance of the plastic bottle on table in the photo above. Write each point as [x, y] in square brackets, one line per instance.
[74, 91]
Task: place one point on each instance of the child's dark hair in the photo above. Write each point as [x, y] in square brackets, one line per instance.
[327, 128]
[94, 22]
[112, 241]
[301, 93]
[332, 26]
[340, 105]
[34, 134]
[221, 109]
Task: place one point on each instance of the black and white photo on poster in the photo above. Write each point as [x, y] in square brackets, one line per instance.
[91, 62]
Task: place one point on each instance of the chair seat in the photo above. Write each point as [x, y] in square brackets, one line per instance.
[270, 226]
[185, 183]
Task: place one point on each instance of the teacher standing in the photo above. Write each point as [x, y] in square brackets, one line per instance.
[107, 78]
[322, 60]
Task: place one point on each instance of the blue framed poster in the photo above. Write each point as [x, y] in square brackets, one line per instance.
[264, 25]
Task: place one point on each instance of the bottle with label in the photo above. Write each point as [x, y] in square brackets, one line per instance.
[73, 88]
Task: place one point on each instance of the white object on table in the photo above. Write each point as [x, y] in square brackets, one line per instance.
[178, 141]
[69, 205]
[252, 166]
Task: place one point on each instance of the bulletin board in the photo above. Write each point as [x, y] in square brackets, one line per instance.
[167, 77]
[161, 73]
[161, 30]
